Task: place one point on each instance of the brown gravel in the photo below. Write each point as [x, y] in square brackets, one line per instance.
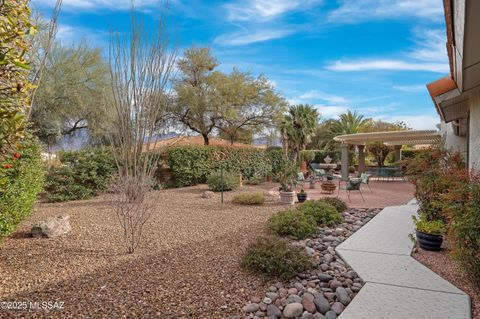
[188, 266]
[445, 266]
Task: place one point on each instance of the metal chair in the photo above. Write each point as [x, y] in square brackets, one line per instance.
[366, 180]
[351, 184]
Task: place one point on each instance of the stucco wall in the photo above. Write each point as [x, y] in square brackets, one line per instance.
[474, 138]
[453, 142]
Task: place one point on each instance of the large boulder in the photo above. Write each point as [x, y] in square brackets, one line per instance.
[52, 227]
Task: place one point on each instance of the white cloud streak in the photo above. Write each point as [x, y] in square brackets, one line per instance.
[416, 122]
[243, 38]
[317, 95]
[89, 5]
[366, 10]
[263, 10]
[386, 65]
[410, 88]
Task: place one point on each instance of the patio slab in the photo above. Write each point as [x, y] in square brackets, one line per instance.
[391, 302]
[396, 285]
[386, 233]
[396, 270]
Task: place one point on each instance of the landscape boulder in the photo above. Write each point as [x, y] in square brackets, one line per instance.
[208, 194]
[52, 227]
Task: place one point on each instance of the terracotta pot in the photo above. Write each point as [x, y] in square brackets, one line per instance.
[287, 197]
[303, 166]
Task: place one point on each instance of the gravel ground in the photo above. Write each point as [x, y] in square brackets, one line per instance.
[188, 266]
[445, 266]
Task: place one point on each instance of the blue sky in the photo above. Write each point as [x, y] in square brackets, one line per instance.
[374, 56]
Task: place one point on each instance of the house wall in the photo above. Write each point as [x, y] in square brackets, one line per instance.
[474, 131]
[453, 142]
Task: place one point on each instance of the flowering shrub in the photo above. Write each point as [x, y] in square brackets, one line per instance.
[21, 179]
[447, 191]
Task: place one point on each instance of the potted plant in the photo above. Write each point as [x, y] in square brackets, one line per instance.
[429, 233]
[302, 196]
[286, 176]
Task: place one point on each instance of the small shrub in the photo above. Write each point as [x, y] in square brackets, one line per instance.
[323, 213]
[249, 199]
[336, 202]
[292, 223]
[255, 180]
[434, 227]
[273, 257]
[230, 181]
[61, 185]
[83, 174]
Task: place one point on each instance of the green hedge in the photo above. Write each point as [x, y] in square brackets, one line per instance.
[192, 165]
[21, 179]
[83, 174]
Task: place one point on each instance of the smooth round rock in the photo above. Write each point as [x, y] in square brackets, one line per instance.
[293, 310]
[251, 307]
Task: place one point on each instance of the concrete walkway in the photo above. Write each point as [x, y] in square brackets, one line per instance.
[396, 285]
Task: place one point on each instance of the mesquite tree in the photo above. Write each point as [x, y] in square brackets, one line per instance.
[141, 69]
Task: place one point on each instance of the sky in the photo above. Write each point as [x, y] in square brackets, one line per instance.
[373, 56]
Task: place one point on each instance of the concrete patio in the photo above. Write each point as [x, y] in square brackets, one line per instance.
[381, 194]
[396, 285]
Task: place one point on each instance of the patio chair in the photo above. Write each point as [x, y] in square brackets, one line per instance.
[320, 173]
[366, 180]
[301, 179]
[351, 184]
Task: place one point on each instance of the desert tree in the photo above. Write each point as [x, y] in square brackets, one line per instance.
[141, 64]
[249, 104]
[198, 105]
[72, 94]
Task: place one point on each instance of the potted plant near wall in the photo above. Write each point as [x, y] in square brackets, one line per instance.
[286, 177]
[302, 196]
[429, 233]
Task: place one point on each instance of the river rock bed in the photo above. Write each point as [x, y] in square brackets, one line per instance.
[325, 291]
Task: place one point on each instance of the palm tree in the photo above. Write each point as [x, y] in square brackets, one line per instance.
[300, 124]
[348, 123]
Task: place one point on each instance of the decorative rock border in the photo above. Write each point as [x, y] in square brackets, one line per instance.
[325, 291]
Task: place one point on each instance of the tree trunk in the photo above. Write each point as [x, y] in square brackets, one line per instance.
[232, 140]
[206, 140]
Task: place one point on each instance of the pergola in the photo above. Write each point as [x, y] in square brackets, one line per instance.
[396, 139]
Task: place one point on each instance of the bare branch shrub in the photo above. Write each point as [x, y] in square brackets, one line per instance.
[141, 70]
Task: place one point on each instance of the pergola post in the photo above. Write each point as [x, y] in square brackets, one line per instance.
[344, 153]
[398, 153]
[361, 159]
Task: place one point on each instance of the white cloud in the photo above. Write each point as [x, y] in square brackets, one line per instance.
[262, 10]
[331, 111]
[99, 4]
[410, 88]
[388, 65]
[317, 95]
[365, 10]
[416, 122]
[243, 38]
[69, 34]
[431, 45]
